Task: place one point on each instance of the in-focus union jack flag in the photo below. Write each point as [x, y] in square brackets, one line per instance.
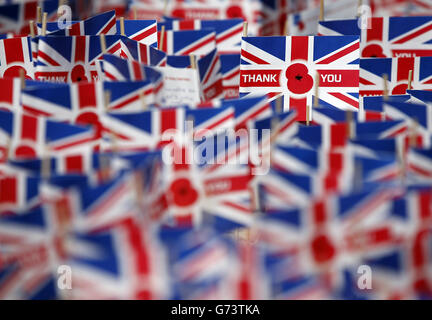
[289, 66]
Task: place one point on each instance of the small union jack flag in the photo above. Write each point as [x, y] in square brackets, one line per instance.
[30, 136]
[104, 23]
[143, 31]
[397, 71]
[386, 36]
[16, 55]
[72, 59]
[228, 31]
[15, 17]
[290, 66]
[197, 42]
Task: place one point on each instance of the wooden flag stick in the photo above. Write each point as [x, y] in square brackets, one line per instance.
[410, 79]
[122, 27]
[143, 100]
[359, 5]
[162, 36]
[245, 29]
[317, 85]
[139, 186]
[46, 164]
[279, 108]
[103, 43]
[286, 28]
[307, 115]
[60, 3]
[165, 8]
[135, 13]
[321, 14]
[107, 99]
[385, 91]
[192, 60]
[32, 29]
[44, 23]
[38, 15]
[413, 134]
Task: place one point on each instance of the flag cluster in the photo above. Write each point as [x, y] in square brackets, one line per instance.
[169, 150]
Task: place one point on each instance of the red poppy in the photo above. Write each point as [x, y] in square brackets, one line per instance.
[184, 194]
[400, 89]
[90, 118]
[373, 51]
[322, 249]
[299, 79]
[78, 74]
[14, 72]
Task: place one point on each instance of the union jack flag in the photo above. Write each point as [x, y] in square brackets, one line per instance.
[228, 31]
[143, 31]
[288, 67]
[30, 136]
[121, 262]
[248, 110]
[104, 23]
[373, 106]
[118, 69]
[386, 36]
[19, 190]
[130, 96]
[72, 59]
[397, 71]
[305, 22]
[15, 17]
[80, 103]
[144, 130]
[383, 8]
[16, 55]
[146, 54]
[29, 255]
[197, 42]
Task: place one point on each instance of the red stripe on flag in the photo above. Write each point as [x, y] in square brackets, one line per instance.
[168, 120]
[404, 65]
[6, 92]
[415, 34]
[75, 29]
[230, 34]
[74, 164]
[137, 71]
[346, 99]
[86, 95]
[8, 187]
[48, 59]
[198, 45]
[145, 34]
[299, 48]
[376, 30]
[300, 106]
[29, 127]
[252, 58]
[340, 54]
[13, 50]
[186, 25]
[80, 48]
[110, 25]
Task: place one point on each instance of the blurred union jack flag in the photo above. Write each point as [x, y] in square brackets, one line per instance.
[289, 66]
[386, 36]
